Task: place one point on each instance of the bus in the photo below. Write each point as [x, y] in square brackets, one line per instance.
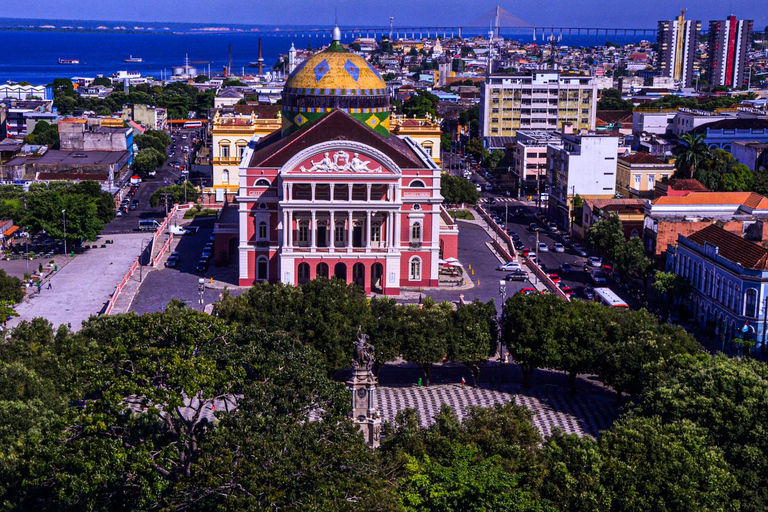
[193, 124]
[607, 297]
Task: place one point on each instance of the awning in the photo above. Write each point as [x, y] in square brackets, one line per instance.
[10, 231]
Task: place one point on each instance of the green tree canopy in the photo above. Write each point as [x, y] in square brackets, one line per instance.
[456, 190]
[610, 99]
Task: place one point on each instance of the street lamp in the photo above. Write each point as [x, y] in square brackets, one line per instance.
[64, 218]
[201, 289]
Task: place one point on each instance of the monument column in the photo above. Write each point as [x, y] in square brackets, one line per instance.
[362, 384]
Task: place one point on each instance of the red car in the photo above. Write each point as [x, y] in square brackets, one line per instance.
[524, 251]
[567, 290]
[528, 291]
[554, 277]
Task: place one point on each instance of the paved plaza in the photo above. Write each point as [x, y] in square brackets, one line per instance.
[83, 285]
[551, 407]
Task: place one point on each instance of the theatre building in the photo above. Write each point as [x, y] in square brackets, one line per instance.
[333, 193]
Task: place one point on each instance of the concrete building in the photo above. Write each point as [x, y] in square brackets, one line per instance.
[425, 131]
[678, 40]
[109, 168]
[17, 114]
[743, 213]
[729, 41]
[657, 122]
[231, 135]
[637, 175]
[752, 154]
[529, 159]
[153, 118]
[687, 120]
[77, 134]
[542, 100]
[729, 282]
[585, 165]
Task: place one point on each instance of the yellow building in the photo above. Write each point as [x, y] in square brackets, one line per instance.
[425, 132]
[637, 175]
[231, 134]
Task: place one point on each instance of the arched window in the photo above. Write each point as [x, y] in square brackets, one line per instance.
[224, 148]
[241, 145]
[262, 230]
[262, 268]
[415, 269]
[751, 303]
[322, 270]
[416, 232]
[225, 177]
[717, 289]
[262, 182]
[303, 273]
[417, 184]
[427, 145]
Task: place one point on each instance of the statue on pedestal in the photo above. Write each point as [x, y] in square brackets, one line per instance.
[362, 384]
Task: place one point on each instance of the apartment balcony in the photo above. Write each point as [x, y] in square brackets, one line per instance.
[232, 160]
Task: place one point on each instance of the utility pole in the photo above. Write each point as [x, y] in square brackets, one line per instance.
[64, 218]
[165, 196]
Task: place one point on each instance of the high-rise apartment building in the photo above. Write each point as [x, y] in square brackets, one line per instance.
[678, 39]
[542, 100]
[728, 43]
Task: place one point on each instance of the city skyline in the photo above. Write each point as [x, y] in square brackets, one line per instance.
[428, 13]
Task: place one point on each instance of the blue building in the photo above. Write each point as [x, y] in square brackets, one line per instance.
[729, 281]
[721, 134]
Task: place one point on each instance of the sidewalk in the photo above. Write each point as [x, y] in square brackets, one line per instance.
[82, 286]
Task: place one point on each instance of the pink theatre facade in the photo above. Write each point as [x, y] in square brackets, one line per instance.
[342, 208]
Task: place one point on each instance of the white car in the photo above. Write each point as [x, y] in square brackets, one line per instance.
[594, 261]
[543, 247]
[558, 247]
[510, 266]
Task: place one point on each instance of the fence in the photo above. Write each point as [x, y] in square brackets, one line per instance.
[120, 286]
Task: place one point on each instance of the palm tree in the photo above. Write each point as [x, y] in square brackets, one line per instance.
[692, 151]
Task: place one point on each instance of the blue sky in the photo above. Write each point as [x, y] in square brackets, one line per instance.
[569, 13]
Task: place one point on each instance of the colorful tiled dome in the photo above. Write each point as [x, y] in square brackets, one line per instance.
[335, 79]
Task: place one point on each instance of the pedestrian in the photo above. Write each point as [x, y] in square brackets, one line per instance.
[463, 382]
[39, 287]
[50, 286]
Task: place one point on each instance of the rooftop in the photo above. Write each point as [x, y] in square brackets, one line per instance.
[58, 157]
[750, 199]
[273, 151]
[732, 247]
[733, 124]
[642, 158]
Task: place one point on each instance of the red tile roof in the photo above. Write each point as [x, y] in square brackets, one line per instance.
[687, 184]
[732, 247]
[750, 199]
[274, 151]
[641, 158]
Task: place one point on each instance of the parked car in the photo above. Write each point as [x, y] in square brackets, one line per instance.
[543, 247]
[172, 261]
[202, 265]
[580, 250]
[558, 247]
[510, 266]
[207, 253]
[491, 200]
[554, 277]
[565, 268]
[534, 227]
[517, 275]
[599, 278]
[518, 244]
[528, 291]
[567, 290]
[589, 291]
[594, 261]
[552, 227]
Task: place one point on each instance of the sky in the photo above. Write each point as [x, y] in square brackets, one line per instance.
[562, 13]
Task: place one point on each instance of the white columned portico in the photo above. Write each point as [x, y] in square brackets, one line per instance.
[389, 230]
[368, 228]
[368, 193]
[332, 228]
[290, 228]
[313, 186]
[313, 238]
[349, 228]
[397, 230]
